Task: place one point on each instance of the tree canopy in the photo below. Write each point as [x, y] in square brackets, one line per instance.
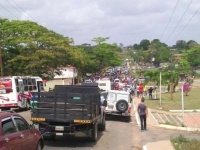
[31, 49]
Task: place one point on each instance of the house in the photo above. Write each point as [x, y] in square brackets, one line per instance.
[67, 77]
[177, 57]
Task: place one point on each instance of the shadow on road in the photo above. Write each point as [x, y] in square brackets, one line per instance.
[118, 118]
[70, 141]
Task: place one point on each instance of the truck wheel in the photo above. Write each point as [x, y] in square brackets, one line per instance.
[122, 106]
[94, 132]
[103, 124]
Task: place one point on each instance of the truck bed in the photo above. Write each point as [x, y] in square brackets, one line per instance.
[66, 103]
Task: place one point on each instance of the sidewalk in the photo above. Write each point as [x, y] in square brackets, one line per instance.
[191, 120]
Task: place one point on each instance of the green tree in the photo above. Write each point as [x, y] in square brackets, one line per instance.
[100, 40]
[181, 44]
[136, 46]
[193, 56]
[31, 49]
[159, 51]
[144, 44]
[190, 44]
[106, 55]
[169, 78]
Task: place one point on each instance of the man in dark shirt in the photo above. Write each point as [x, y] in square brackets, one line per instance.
[143, 113]
[150, 90]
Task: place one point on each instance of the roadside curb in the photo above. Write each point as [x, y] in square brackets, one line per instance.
[179, 111]
[151, 146]
[163, 125]
[158, 144]
[179, 128]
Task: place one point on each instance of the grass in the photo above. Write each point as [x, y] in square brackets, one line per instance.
[168, 123]
[191, 102]
[182, 143]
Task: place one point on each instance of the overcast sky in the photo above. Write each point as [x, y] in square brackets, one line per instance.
[123, 21]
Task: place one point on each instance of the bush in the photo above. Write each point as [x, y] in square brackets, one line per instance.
[182, 143]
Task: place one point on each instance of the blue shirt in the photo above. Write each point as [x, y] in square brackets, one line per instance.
[142, 109]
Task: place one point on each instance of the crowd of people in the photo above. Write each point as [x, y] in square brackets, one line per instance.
[126, 82]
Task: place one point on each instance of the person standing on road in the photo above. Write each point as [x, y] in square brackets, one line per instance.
[143, 113]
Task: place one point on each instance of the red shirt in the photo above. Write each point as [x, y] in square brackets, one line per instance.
[140, 88]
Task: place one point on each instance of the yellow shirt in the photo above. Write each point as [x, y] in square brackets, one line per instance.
[145, 89]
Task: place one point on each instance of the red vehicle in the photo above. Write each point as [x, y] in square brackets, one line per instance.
[17, 134]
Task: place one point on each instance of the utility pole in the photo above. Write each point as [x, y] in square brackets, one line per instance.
[1, 57]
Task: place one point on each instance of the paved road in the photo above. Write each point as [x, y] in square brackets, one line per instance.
[119, 135]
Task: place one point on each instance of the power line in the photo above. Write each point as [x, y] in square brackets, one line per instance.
[187, 23]
[179, 20]
[20, 9]
[169, 19]
[9, 11]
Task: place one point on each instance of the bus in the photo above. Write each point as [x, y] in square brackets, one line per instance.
[15, 91]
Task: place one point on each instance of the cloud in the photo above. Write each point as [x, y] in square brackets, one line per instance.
[127, 22]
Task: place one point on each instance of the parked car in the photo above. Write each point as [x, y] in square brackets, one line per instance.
[118, 104]
[17, 134]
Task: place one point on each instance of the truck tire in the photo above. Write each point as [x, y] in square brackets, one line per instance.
[122, 106]
[94, 132]
[102, 126]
